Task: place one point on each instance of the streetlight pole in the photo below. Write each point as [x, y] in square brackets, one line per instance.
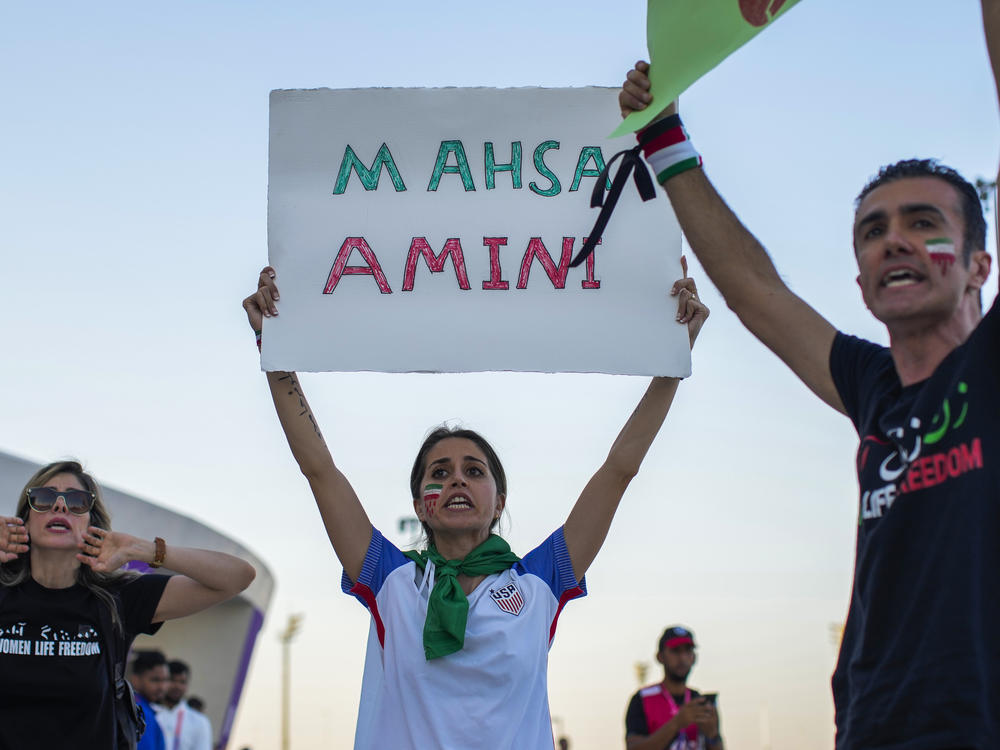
[641, 668]
[286, 636]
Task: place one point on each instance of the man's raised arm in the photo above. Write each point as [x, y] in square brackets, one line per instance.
[739, 266]
[991, 25]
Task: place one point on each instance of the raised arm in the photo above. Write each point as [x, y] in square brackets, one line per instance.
[588, 523]
[991, 26]
[345, 519]
[204, 577]
[740, 267]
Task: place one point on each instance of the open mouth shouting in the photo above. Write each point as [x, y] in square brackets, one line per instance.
[58, 525]
[900, 277]
[459, 502]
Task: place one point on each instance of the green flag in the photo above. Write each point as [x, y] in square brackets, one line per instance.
[687, 38]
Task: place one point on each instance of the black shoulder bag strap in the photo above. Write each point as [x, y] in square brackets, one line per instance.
[130, 721]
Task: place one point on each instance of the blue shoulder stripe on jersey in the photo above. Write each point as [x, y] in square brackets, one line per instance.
[550, 562]
[381, 559]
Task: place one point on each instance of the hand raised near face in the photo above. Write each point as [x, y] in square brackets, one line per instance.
[104, 550]
[13, 538]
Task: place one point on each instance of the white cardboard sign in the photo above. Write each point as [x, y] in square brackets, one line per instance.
[430, 230]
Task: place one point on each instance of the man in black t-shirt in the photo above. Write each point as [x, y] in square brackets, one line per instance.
[919, 666]
[669, 715]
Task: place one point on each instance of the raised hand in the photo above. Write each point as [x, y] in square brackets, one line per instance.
[261, 304]
[13, 538]
[105, 551]
[635, 95]
[690, 309]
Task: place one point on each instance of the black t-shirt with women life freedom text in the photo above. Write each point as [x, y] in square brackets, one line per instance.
[54, 691]
[919, 666]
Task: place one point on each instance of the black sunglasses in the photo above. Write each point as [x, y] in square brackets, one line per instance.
[43, 499]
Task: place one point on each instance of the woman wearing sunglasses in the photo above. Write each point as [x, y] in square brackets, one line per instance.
[61, 585]
[458, 647]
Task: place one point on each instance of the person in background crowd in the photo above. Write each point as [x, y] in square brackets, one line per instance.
[669, 714]
[183, 727]
[148, 675]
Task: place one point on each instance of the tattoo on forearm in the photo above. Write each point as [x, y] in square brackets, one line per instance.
[296, 392]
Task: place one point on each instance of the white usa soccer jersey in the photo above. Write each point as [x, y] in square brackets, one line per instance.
[492, 693]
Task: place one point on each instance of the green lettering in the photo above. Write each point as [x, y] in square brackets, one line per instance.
[544, 171]
[586, 154]
[514, 167]
[461, 166]
[369, 177]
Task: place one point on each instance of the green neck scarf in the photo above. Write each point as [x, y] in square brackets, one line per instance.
[448, 607]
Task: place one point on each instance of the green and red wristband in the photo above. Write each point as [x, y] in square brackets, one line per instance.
[668, 149]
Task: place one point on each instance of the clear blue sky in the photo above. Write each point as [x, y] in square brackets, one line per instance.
[132, 222]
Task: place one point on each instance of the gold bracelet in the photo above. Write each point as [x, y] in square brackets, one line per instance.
[161, 552]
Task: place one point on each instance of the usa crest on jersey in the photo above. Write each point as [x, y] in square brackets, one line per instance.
[508, 598]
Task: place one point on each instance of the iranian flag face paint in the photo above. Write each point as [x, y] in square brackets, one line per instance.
[432, 493]
[942, 252]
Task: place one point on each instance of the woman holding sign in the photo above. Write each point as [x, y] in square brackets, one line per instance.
[461, 630]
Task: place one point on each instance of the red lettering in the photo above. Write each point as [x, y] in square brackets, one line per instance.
[340, 267]
[537, 249]
[495, 282]
[913, 478]
[953, 462]
[590, 282]
[972, 459]
[931, 469]
[419, 246]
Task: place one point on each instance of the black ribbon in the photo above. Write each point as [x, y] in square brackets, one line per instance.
[633, 163]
